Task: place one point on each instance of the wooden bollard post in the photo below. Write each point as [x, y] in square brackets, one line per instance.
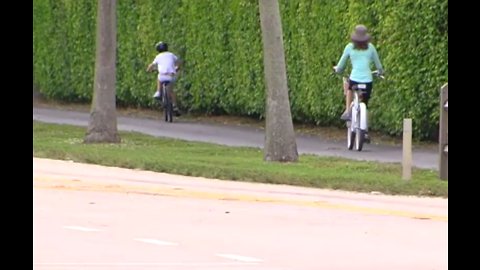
[407, 149]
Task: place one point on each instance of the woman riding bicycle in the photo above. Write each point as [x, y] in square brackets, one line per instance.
[166, 64]
[361, 53]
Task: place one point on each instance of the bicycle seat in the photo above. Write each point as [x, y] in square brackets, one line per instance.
[360, 86]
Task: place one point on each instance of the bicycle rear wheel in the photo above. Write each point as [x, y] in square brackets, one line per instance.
[167, 105]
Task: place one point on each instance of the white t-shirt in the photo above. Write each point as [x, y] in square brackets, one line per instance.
[165, 62]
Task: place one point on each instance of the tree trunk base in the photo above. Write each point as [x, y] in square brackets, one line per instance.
[101, 137]
[281, 158]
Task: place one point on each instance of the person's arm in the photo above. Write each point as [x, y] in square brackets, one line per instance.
[152, 66]
[340, 67]
[177, 64]
[376, 60]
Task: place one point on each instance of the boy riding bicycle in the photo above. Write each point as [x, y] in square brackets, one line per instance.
[166, 64]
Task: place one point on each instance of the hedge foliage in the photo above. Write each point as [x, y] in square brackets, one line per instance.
[220, 45]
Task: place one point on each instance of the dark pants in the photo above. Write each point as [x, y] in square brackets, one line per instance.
[367, 92]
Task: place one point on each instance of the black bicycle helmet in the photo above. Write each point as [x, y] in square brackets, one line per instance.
[161, 46]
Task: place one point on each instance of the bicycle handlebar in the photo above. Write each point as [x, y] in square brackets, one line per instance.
[375, 73]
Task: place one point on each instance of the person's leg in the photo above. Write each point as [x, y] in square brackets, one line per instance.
[348, 100]
[173, 98]
[158, 93]
[366, 98]
[173, 95]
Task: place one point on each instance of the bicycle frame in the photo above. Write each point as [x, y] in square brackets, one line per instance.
[166, 96]
[359, 110]
[357, 126]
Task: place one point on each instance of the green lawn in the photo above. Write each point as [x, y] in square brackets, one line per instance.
[232, 163]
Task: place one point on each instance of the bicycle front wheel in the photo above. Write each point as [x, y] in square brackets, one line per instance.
[350, 136]
[359, 139]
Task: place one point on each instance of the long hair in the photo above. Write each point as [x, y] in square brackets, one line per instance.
[360, 45]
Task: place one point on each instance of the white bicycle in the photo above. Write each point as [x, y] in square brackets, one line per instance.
[357, 126]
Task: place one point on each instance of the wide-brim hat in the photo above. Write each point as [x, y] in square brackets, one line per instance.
[360, 33]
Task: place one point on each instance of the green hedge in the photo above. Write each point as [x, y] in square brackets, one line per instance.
[220, 45]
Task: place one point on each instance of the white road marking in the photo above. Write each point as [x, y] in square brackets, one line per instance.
[83, 229]
[156, 242]
[239, 258]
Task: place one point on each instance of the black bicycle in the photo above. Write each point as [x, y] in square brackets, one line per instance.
[166, 101]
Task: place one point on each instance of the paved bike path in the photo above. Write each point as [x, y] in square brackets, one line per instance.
[242, 136]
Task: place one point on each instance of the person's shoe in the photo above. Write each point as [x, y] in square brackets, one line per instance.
[176, 111]
[346, 116]
[367, 138]
[157, 95]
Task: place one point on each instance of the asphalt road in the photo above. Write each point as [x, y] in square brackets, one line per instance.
[98, 218]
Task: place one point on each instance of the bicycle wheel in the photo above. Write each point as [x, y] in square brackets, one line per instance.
[362, 126]
[169, 112]
[350, 136]
[167, 105]
[359, 133]
[359, 139]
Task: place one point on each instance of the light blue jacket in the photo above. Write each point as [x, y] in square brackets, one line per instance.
[361, 60]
